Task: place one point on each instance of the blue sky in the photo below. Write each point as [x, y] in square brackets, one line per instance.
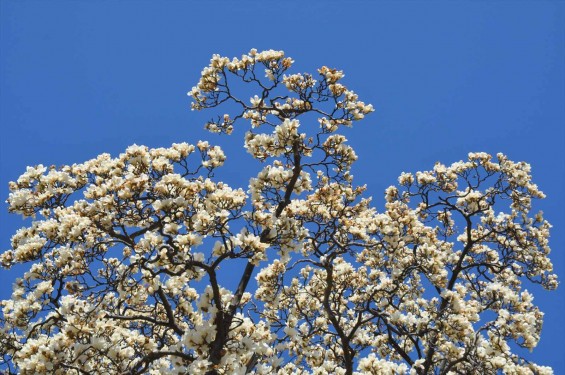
[79, 78]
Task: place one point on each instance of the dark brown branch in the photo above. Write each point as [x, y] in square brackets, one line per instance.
[224, 324]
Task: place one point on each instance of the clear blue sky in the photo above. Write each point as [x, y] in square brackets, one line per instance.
[79, 78]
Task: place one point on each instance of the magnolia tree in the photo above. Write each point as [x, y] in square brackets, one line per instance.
[145, 263]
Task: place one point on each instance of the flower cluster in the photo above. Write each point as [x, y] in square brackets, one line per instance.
[304, 94]
[210, 77]
[281, 141]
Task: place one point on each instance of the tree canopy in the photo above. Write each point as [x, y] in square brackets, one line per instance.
[146, 263]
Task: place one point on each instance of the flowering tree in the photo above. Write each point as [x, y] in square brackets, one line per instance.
[128, 256]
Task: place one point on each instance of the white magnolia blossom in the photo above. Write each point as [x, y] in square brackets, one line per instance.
[145, 263]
